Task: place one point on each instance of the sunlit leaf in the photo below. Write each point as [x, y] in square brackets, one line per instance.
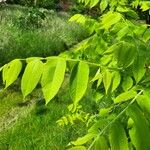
[52, 77]
[11, 72]
[31, 76]
[79, 81]
[125, 96]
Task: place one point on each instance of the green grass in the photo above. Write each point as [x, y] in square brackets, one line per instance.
[56, 35]
[39, 130]
[32, 125]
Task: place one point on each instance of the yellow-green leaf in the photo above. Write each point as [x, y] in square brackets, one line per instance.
[52, 77]
[103, 5]
[31, 76]
[107, 79]
[78, 148]
[11, 72]
[113, 16]
[79, 81]
[144, 102]
[125, 96]
[116, 78]
[84, 139]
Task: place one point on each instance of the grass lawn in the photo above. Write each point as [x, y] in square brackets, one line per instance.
[29, 124]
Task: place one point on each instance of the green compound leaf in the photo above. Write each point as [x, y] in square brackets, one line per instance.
[138, 68]
[116, 78]
[113, 16]
[79, 81]
[118, 138]
[125, 96]
[107, 80]
[84, 139]
[124, 54]
[144, 102]
[52, 77]
[140, 132]
[31, 76]
[11, 72]
[103, 5]
[127, 83]
[101, 143]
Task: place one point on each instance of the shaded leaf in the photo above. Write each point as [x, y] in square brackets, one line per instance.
[140, 133]
[127, 83]
[101, 143]
[118, 138]
[138, 68]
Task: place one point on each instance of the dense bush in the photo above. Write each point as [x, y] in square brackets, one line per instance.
[33, 19]
[49, 4]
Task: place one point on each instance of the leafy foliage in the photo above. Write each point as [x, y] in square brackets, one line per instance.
[115, 58]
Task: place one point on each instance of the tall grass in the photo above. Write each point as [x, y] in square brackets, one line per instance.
[56, 35]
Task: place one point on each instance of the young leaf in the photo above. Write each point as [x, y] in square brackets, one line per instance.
[125, 96]
[11, 72]
[31, 76]
[138, 68]
[118, 138]
[140, 133]
[79, 81]
[52, 77]
[127, 83]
